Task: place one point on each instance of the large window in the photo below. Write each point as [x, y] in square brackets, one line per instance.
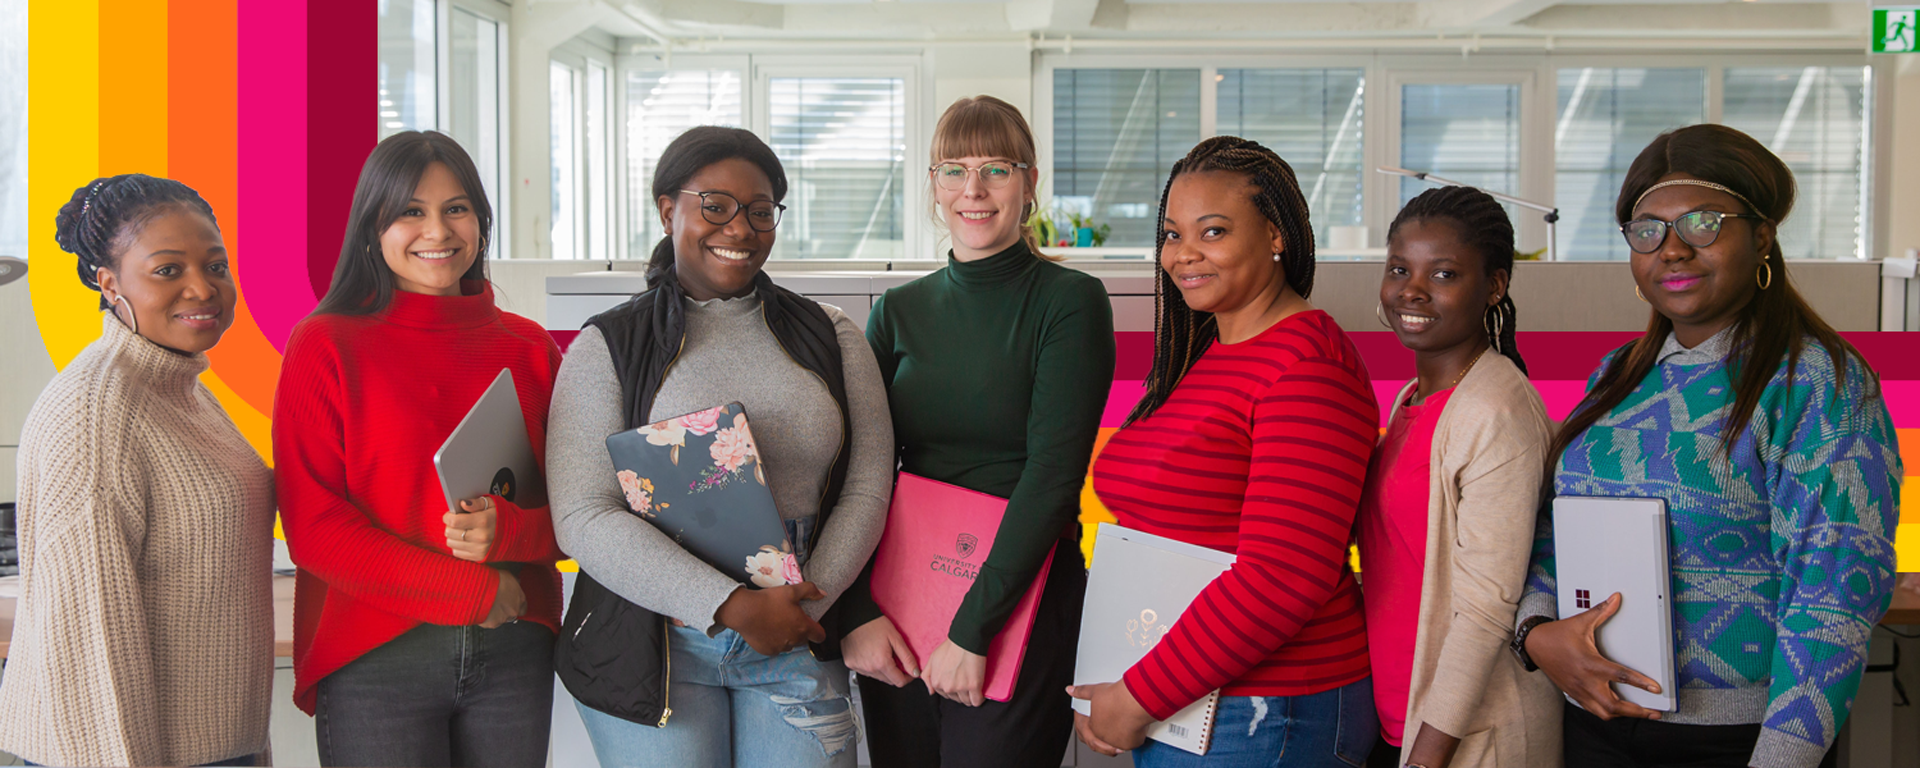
[1467, 132]
[409, 99]
[1116, 132]
[1814, 118]
[661, 105]
[1605, 117]
[843, 143]
[563, 163]
[599, 192]
[464, 98]
[1315, 119]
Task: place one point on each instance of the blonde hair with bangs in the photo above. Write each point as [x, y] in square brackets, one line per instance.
[983, 126]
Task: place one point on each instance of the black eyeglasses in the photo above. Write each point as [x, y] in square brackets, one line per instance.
[720, 209]
[1698, 229]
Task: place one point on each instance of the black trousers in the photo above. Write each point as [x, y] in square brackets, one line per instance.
[1590, 742]
[912, 728]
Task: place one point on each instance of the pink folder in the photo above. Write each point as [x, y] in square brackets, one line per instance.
[937, 537]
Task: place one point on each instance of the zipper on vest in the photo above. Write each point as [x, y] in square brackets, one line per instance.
[819, 506]
[666, 625]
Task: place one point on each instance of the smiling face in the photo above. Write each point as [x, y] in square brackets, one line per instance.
[1218, 246]
[1436, 291]
[718, 260]
[984, 221]
[1702, 290]
[435, 240]
[175, 276]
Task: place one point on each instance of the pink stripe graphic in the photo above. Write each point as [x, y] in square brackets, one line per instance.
[273, 164]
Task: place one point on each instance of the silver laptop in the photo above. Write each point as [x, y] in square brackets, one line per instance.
[489, 452]
[1605, 545]
[1138, 586]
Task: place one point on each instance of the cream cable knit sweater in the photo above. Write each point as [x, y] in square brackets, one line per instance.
[144, 630]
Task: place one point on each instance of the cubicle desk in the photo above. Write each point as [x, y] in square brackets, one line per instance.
[282, 619]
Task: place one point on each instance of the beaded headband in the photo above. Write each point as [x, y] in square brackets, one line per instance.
[91, 193]
[1698, 183]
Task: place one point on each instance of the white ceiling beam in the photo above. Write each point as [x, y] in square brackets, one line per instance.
[1051, 15]
[1453, 14]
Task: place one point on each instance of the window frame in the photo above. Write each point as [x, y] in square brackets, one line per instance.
[916, 230]
[579, 55]
[1537, 73]
[658, 62]
[501, 15]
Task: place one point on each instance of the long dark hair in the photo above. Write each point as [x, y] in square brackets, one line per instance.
[1484, 229]
[1772, 326]
[362, 282]
[694, 150]
[1180, 333]
[102, 218]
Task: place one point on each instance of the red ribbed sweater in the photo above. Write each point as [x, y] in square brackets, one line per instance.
[363, 403]
[1261, 450]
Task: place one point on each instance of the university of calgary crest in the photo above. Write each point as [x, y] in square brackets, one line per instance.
[966, 544]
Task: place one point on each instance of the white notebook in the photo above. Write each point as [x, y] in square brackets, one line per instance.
[1138, 586]
[1604, 545]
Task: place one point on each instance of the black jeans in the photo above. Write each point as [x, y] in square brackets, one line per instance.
[1590, 742]
[442, 696]
[910, 727]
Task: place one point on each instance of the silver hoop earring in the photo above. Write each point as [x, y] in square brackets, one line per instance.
[1380, 313]
[133, 321]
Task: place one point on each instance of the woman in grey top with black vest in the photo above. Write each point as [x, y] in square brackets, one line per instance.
[731, 681]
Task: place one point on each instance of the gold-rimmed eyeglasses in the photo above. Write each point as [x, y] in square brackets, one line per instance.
[995, 175]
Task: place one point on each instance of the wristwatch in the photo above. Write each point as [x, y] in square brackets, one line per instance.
[1519, 644]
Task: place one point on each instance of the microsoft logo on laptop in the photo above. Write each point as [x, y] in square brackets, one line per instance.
[1581, 599]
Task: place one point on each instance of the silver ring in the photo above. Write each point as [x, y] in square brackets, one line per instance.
[463, 533]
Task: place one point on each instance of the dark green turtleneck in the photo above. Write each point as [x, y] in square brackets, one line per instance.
[997, 371]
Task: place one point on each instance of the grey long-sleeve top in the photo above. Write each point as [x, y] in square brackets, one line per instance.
[730, 355]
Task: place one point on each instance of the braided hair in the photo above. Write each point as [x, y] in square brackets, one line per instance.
[1181, 333]
[105, 216]
[1485, 230]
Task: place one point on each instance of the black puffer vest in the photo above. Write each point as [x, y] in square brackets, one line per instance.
[612, 654]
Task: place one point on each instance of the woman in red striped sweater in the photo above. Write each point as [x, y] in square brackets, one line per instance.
[408, 644]
[1253, 438]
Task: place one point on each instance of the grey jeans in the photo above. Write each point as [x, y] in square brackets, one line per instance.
[442, 696]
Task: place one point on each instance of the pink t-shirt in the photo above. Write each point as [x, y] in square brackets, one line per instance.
[1393, 553]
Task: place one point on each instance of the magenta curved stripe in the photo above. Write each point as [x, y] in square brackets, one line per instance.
[273, 164]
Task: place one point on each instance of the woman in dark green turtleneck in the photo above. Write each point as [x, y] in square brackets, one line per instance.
[997, 370]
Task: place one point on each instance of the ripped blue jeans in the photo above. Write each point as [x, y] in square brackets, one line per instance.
[733, 706]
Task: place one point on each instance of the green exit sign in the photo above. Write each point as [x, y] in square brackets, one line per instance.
[1896, 30]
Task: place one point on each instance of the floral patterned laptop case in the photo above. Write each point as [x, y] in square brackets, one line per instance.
[699, 479]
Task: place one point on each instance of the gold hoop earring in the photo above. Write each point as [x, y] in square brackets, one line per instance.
[1380, 312]
[133, 321]
[1766, 269]
[1637, 294]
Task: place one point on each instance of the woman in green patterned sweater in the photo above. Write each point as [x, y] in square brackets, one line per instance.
[1766, 434]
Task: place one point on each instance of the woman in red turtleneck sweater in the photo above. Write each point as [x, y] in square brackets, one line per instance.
[414, 642]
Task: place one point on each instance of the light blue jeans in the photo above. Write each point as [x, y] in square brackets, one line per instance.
[733, 706]
[1330, 729]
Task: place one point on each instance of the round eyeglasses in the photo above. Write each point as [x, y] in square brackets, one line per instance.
[952, 177]
[720, 209]
[1698, 229]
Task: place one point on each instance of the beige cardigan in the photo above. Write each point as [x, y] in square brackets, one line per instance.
[144, 630]
[1484, 492]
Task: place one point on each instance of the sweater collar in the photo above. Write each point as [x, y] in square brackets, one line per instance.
[471, 309]
[738, 306]
[993, 270]
[162, 367]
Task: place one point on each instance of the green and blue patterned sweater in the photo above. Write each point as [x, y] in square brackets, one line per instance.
[1782, 555]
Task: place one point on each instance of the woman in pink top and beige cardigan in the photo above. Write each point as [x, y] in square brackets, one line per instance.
[1447, 515]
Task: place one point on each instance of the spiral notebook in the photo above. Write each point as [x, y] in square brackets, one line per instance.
[1138, 586]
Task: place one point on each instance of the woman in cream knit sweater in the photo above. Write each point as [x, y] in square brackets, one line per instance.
[144, 630]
